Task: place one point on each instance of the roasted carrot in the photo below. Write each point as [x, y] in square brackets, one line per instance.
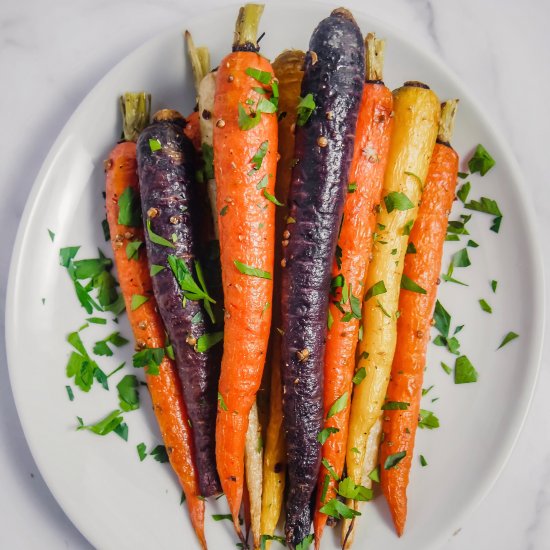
[372, 139]
[147, 326]
[205, 84]
[192, 130]
[416, 304]
[245, 156]
[288, 68]
[416, 117]
[324, 146]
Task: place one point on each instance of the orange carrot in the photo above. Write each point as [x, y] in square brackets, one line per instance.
[413, 326]
[192, 129]
[134, 279]
[245, 162]
[374, 126]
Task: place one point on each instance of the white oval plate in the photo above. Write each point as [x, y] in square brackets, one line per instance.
[119, 502]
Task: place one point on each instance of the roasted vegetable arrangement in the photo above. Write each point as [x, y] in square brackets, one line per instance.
[278, 254]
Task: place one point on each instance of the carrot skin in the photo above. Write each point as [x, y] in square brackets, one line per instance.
[413, 327]
[323, 150]
[246, 226]
[374, 126]
[169, 205]
[192, 129]
[147, 327]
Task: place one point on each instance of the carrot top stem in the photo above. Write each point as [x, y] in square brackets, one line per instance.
[136, 108]
[246, 28]
[200, 59]
[447, 121]
[375, 48]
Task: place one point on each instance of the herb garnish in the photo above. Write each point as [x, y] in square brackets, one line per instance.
[375, 290]
[481, 161]
[129, 212]
[138, 300]
[258, 158]
[305, 543]
[252, 271]
[159, 454]
[464, 191]
[305, 108]
[423, 461]
[208, 340]
[337, 509]
[151, 358]
[128, 394]
[359, 376]
[428, 420]
[221, 402]
[142, 452]
[485, 306]
[395, 406]
[101, 347]
[154, 145]
[465, 372]
[508, 338]
[338, 406]
[105, 426]
[397, 201]
[157, 239]
[272, 198]
[324, 434]
[408, 284]
[393, 460]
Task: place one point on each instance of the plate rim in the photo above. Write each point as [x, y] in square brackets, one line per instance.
[525, 205]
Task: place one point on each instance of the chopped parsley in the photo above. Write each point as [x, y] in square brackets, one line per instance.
[395, 406]
[129, 208]
[464, 191]
[375, 474]
[149, 358]
[325, 433]
[221, 402]
[481, 161]
[408, 227]
[265, 538]
[465, 373]
[157, 239]
[102, 348]
[70, 393]
[258, 157]
[508, 338]
[305, 543]
[446, 368]
[159, 454]
[221, 517]
[459, 259]
[305, 108]
[494, 285]
[359, 376]
[485, 306]
[263, 77]
[375, 290]
[352, 187]
[141, 450]
[252, 271]
[428, 420]
[379, 304]
[128, 393]
[272, 198]
[397, 201]
[488, 206]
[192, 290]
[262, 184]
[154, 145]
[81, 366]
[105, 426]
[411, 249]
[138, 300]
[337, 509]
[156, 269]
[96, 320]
[338, 406]
[423, 461]
[208, 340]
[394, 459]
[51, 234]
[348, 489]
[408, 284]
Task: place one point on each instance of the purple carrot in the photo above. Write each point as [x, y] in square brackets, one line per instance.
[166, 171]
[334, 74]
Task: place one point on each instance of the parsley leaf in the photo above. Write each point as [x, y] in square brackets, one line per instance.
[485, 306]
[305, 543]
[154, 145]
[102, 348]
[137, 301]
[221, 402]
[508, 338]
[394, 459]
[208, 340]
[157, 239]
[305, 108]
[395, 406]
[481, 161]
[324, 434]
[263, 77]
[258, 157]
[337, 509]
[464, 191]
[265, 538]
[465, 372]
[129, 208]
[142, 453]
[159, 454]
[338, 406]
[128, 394]
[375, 290]
[272, 198]
[359, 376]
[105, 426]
[375, 474]
[397, 201]
[208, 160]
[150, 358]
[246, 121]
[408, 284]
[428, 420]
[423, 461]
[155, 269]
[252, 271]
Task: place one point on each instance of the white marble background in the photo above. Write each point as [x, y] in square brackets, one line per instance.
[53, 52]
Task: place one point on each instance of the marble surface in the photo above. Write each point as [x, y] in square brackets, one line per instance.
[52, 53]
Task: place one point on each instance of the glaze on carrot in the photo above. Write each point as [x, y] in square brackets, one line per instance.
[145, 321]
[413, 326]
[288, 68]
[372, 140]
[246, 217]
